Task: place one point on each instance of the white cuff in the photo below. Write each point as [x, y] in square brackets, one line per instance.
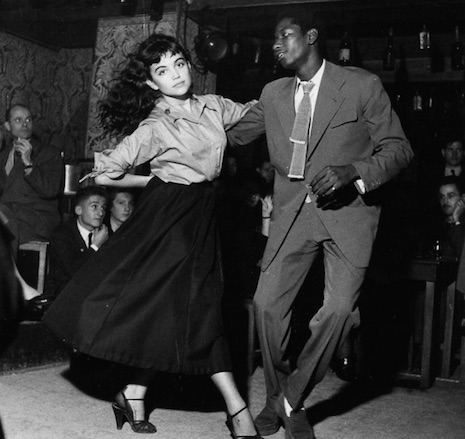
[360, 185]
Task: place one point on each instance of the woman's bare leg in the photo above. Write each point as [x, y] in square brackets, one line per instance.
[243, 422]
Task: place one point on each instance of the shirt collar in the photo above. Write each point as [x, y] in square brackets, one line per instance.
[163, 107]
[316, 77]
[84, 232]
[457, 169]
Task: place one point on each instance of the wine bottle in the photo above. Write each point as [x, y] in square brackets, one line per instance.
[456, 53]
[424, 36]
[344, 50]
[389, 55]
[417, 102]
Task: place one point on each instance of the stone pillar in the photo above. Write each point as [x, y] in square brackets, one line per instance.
[116, 38]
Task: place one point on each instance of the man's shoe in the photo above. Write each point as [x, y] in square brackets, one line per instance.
[267, 422]
[345, 368]
[296, 425]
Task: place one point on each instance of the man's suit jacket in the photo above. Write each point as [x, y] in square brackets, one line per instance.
[353, 123]
[32, 199]
[68, 252]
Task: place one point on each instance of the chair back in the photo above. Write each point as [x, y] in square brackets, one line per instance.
[72, 176]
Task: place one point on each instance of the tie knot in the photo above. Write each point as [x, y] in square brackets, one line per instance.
[307, 87]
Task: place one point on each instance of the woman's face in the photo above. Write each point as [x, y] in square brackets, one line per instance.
[171, 76]
[122, 207]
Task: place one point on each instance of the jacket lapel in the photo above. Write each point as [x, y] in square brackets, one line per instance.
[328, 102]
[284, 105]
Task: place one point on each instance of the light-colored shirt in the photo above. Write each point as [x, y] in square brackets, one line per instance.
[84, 233]
[299, 93]
[184, 144]
[457, 170]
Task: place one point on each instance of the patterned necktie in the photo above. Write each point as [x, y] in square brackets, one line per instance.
[10, 161]
[299, 136]
[89, 240]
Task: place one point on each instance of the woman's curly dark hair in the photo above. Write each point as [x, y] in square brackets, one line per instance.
[130, 100]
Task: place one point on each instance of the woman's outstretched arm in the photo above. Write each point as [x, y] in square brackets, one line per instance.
[129, 180]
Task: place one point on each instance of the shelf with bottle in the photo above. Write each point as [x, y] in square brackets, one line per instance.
[426, 56]
[418, 70]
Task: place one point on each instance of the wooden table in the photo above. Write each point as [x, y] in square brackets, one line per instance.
[437, 274]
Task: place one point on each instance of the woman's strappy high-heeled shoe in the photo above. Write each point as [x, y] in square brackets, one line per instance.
[124, 413]
[229, 424]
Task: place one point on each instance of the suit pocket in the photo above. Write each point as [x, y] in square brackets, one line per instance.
[344, 116]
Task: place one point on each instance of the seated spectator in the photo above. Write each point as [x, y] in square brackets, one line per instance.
[452, 231]
[266, 171]
[226, 185]
[74, 242]
[121, 203]
[31, 178]
[453, 154]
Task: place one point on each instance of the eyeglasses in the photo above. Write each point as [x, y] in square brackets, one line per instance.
[20, 120]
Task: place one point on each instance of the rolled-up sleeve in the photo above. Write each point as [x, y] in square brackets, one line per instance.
[135, 149]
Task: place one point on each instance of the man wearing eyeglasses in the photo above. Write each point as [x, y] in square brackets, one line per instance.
[31, 178]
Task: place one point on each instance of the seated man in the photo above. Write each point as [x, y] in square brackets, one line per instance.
[75, 241]
[121, 205]
[453, 154]
[452, 232]
[31, 178]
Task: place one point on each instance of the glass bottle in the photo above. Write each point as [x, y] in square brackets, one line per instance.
[388, 55]
[456, 52]
[417, 102]
[344, 50]
[425, 38]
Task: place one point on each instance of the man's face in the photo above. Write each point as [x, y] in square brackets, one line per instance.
[449, 195]
[231, 166]
[20, 123]
[453, 154]
[122, 207]
[266, 170]
[291, 45]
[91, 211]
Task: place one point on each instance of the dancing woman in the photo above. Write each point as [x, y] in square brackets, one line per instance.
[150, 298]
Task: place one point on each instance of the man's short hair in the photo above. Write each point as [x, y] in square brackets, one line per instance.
[18, 104]
[453, 140]
[452, 180]
[86, 192]
[304, 16]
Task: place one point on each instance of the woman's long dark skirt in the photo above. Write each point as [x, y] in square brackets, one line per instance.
[151, 296]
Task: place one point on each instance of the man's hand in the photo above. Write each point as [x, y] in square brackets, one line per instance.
[267, 206]
[100, 235]
[332, 178]
[24, 148]
[458, 210]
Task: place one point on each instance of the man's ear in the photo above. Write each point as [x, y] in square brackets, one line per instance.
[7, 126]
[312, 36]
[443, 152]
[78, 210]
[151, 84]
